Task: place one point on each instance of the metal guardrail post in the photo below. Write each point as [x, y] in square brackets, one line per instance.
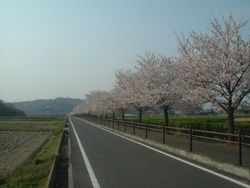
[125, 126]
[191, 139]
[118, 125]
[146, 130]
[240, 148]
[134, 128]
[163, 133]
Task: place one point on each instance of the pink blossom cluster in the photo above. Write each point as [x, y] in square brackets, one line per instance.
[211, 67]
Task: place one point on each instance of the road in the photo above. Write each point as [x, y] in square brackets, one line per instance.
[99, 158]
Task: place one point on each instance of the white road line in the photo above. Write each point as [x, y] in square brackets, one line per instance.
[70, 173]
[86, 160]
[70, 176]
[179, 159]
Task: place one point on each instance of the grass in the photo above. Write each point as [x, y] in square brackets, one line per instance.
[36, 174]
[29, 118]
[34, 124]
[189, 120]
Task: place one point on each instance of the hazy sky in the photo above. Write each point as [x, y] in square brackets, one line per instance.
[64, 48]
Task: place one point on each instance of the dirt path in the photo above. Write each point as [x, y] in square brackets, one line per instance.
[16, 147]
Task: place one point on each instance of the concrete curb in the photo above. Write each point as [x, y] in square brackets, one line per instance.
[70, 172]
[229, 168]
[51, 178]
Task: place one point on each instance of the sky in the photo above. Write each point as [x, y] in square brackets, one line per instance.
[65, 48]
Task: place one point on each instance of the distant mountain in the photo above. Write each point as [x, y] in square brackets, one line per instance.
[57, 106]
[7, 109]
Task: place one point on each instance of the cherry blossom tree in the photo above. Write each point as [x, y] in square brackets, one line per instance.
[215, 66]
[158, 78]
[128, 83]
[121, 92]
[111, 102]
[95, 103]
[189, 107]
[77, 110]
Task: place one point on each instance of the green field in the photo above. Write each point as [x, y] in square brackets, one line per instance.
[192, 120]
[36, 172]
[34, 124]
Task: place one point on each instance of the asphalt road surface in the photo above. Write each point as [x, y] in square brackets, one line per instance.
[99, 158]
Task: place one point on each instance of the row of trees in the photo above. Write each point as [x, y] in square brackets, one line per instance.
[211, 67]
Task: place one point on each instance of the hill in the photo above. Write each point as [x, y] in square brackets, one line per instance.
[7, 109]
[57, 106]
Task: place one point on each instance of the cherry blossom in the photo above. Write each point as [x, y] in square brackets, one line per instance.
[214, 67]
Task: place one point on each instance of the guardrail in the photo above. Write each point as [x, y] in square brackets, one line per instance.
[237, 139]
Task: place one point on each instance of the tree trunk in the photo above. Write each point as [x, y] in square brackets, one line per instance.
[113, 116]
[165, 109]
[140, 114]
[123, 116]
[230, 116]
